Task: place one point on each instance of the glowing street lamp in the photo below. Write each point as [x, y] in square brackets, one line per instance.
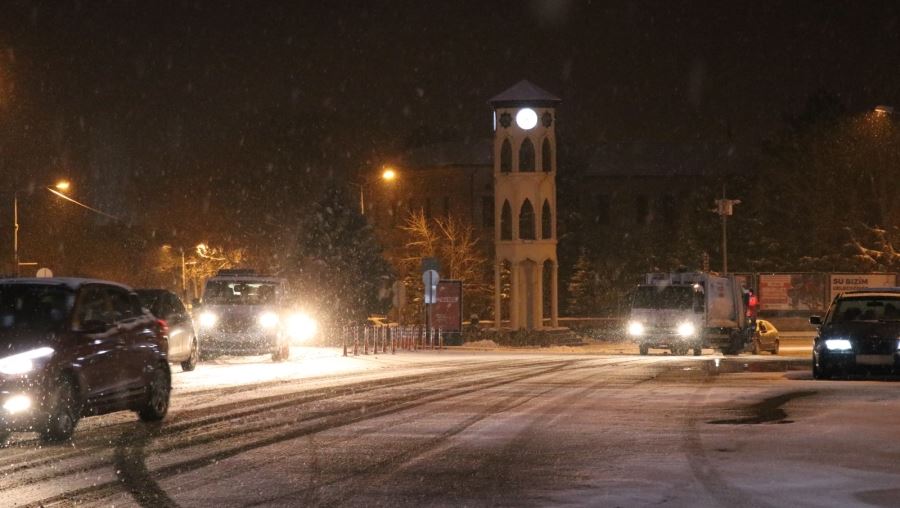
[388, 175]
[61, 186]
[882, 110]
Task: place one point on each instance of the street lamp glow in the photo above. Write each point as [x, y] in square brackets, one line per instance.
[63, 185]
[389, 175]
[881, 109]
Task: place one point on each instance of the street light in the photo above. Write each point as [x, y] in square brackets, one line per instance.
[725, 208]
[388, 175]
[883, 110]
[61, 186]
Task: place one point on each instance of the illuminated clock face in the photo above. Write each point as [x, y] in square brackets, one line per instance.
[526, 118]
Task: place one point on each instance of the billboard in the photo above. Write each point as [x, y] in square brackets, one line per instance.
[447, 310]
[840, 282]
[792, 292]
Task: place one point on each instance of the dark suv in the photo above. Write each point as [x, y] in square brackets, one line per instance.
[860, 331]
[76, 347]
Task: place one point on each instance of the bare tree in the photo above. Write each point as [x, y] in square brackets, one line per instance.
[455, 245]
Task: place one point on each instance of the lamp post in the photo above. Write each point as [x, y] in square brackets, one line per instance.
[725, 208]
[388, 175]
[60, 186]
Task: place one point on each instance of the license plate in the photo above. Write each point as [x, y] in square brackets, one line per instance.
[875, 359]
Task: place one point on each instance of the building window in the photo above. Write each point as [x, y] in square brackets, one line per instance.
[526, 156]
[546, 221]
[487, 211]
[601, 209]
[446, 206]
[642, 210]
[546, 156]
[526, 221]
[506, 222]
[506, 157]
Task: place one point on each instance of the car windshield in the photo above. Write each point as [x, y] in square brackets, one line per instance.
[867, 308]
[240, 292]
[34, 307]
[663, 297]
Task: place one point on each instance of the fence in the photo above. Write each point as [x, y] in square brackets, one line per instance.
[384, 339]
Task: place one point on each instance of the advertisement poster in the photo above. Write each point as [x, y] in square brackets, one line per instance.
[841, 282]
[447, 311]
[792, 292]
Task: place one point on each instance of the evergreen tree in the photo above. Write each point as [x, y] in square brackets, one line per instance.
[337, 265]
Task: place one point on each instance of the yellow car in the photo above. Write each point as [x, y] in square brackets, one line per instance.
[765, 338]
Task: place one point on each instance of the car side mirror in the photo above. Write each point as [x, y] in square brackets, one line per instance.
[815, 320]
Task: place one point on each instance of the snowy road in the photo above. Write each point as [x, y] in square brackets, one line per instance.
[482, 428]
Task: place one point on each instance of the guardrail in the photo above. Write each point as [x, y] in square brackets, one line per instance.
[381, 339]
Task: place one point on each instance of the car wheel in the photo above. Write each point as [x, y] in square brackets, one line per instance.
[157, 404]
[644, 349]
[191, 363]
[777, 347]
[64, 411]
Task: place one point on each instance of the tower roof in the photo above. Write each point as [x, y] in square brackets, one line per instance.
[522, 93]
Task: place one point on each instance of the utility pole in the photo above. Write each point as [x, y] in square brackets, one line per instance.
[725, 208]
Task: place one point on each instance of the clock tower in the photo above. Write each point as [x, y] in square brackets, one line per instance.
[525, 206]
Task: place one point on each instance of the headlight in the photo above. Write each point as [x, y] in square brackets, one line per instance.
[301, 327]
[23, 363]
[268, 320]
[17, 404]
[635, 328]
[838, 345]
[686, 329]
[208, 319]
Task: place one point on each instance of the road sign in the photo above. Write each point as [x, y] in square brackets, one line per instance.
[430, 264]
[430, 278]
[44, 273]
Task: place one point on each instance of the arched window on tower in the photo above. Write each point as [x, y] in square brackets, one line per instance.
[526, 156]
[546, 221]
[506, 157]
[506, 222]
[526, 221]
[546, 156]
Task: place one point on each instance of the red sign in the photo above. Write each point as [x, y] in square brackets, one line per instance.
[447, 310]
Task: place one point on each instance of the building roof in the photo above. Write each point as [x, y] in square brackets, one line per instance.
[524, 92]
[462, 153]
[654, 158]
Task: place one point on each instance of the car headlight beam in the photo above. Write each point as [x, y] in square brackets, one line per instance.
[838, 345]
[23, 363]
[268, 320]
[301, 327]
[208, 319]
[686, 329]
[17, 404]
[635, 328]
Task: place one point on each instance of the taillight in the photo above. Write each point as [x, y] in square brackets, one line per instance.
[163, 327]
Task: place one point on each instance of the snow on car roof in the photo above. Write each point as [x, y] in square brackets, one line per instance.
[70, 282]
[892, 291]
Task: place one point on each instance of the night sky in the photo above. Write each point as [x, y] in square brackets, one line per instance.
[201, 118]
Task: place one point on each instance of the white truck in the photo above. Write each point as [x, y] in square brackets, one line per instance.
[689, 311]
